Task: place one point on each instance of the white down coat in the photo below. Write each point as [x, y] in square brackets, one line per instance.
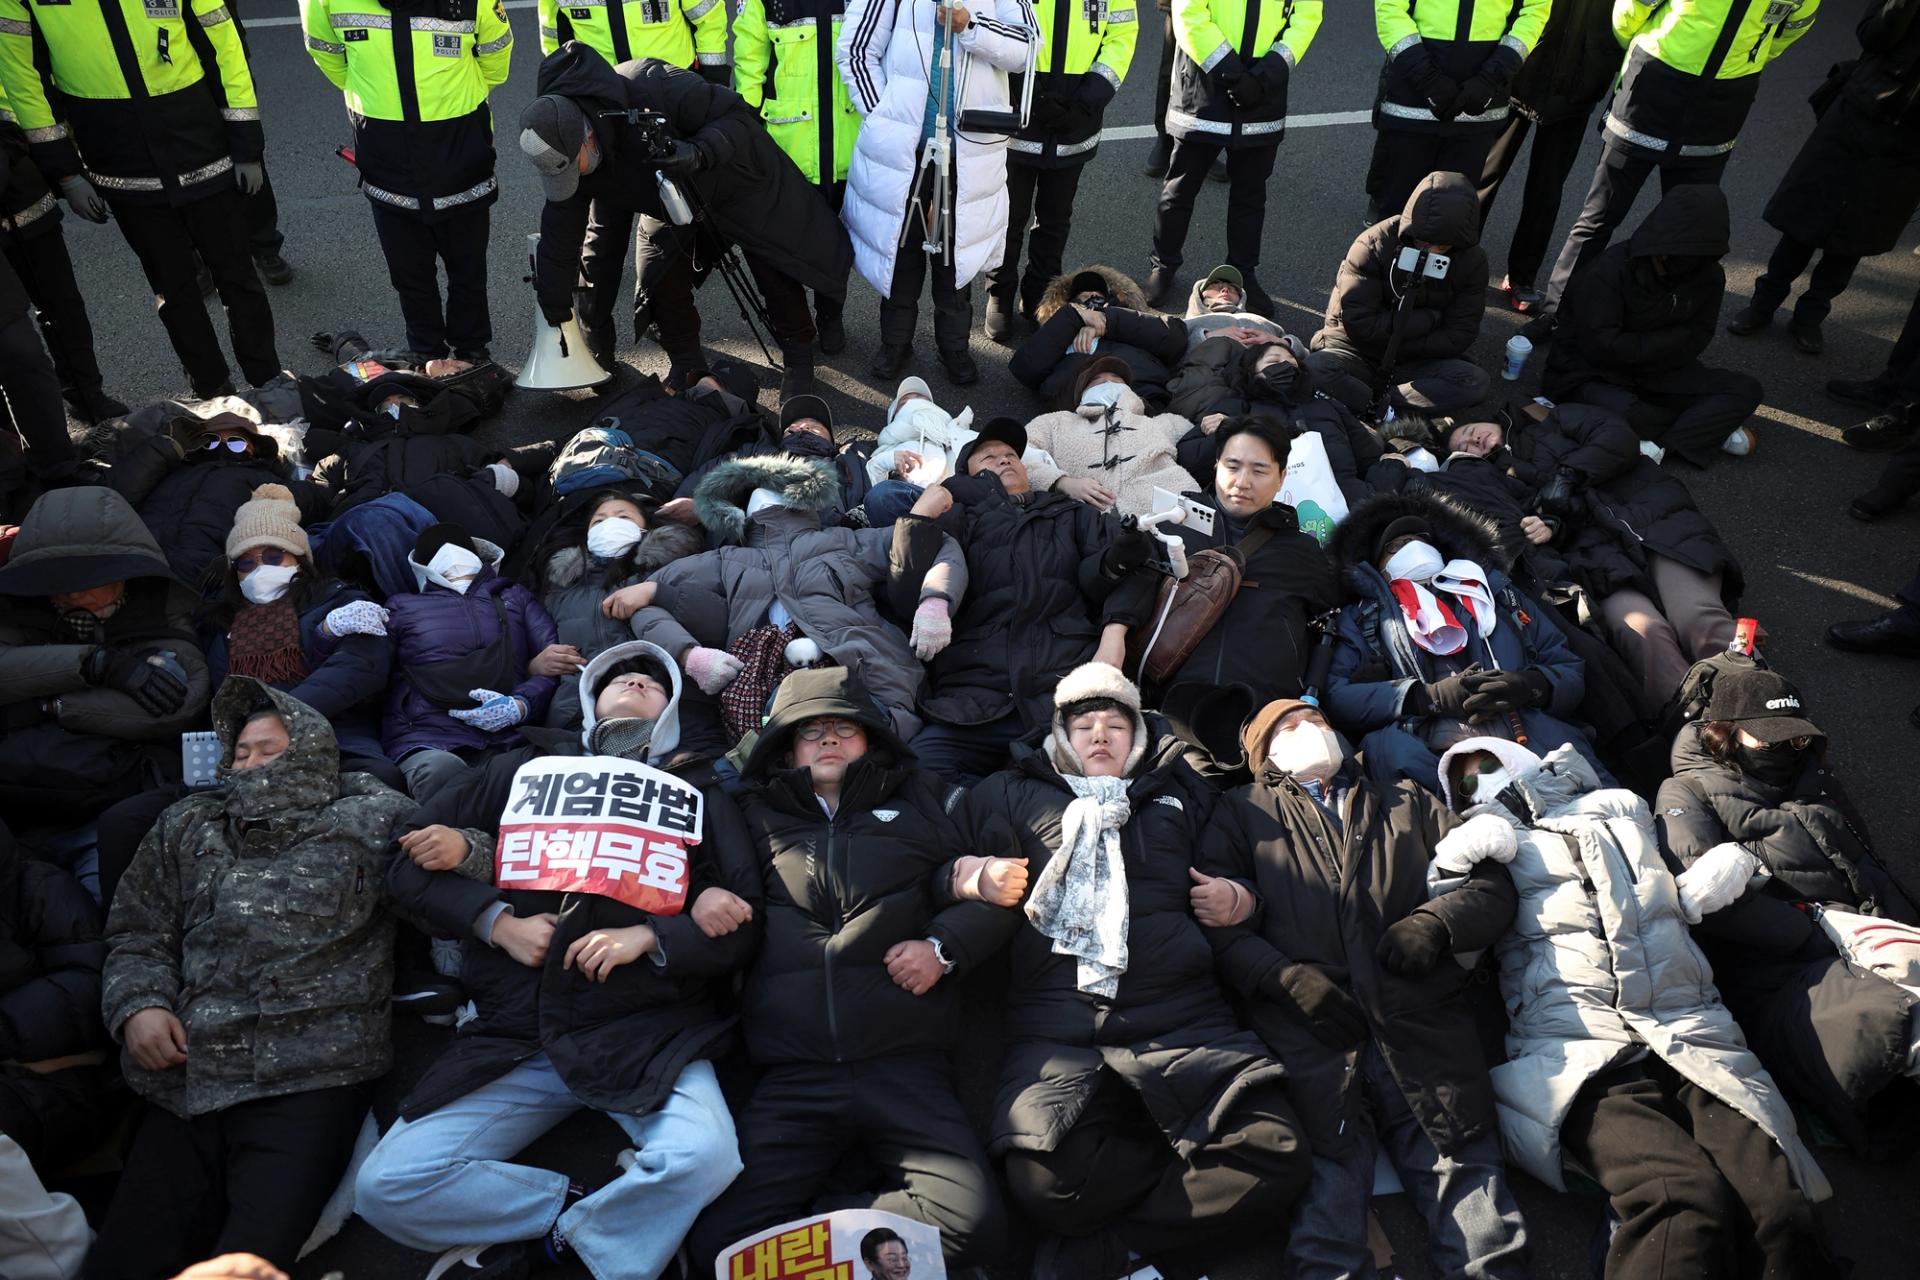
[1592, 977]
[884, 53]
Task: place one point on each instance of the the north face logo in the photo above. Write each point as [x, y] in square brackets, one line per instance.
[886, 815]
[1779, 704]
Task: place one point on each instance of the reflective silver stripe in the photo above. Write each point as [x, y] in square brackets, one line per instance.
[47, 133]
[468, 196]
[15, 27]
[387, 197]
[1286, 56]
[701, 10]
[1196, 124]
[1024, 147]
[378, 21]
[1120, 15]
[324, 46]
[711, 59]
[38, 209]
[493, 46]
[8, 116]
[1795, 26]
[549, 33]
[1516, 44]
[214, 17]
[441, 24]
[109, 183]
[1400, 111]
[1259, 127]
[223, 165]
[802, 118]
[1106, 73]
[1403, 44]
[1212, 60]
[1078, 148]
[1715, 149]
[1620, 130]
[236, 115]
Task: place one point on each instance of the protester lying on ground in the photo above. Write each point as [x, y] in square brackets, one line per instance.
[806, 430]
[1098, 311]
[1218, 304]
[1109, 451]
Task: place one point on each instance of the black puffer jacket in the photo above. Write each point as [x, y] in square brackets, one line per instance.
[190, 503]
[841, 891]
[1833, 1034]
[1572, 66]
[1488, 487]
[1326, 897]
[1169, 1031]
[51, 952]
[1621, 318]
[363, 470]
[1034, 603]
[1149, 342]
[1624, 506]
[1440, 318]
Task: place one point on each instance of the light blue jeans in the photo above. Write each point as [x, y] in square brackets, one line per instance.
[445, 1180]
[1472, 1220]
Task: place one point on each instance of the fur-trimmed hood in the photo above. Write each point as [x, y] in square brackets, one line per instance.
[805, 484]
[1121, 291]
[1094, 680]
[1457, 532]
[665, 542]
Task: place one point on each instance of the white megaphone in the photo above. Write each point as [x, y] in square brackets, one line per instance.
[559, 360]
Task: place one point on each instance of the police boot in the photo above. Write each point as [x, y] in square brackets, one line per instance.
[892, 361]
[796, 377]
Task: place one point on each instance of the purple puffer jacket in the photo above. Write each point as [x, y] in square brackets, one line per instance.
[434, 624]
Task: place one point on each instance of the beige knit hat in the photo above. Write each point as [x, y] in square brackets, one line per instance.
[268, 519]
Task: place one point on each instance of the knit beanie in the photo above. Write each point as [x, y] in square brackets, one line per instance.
[268, 519]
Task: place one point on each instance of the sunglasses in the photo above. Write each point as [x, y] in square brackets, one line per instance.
[233, 444]
[268, 555]
[1093, 302]
[819, 729]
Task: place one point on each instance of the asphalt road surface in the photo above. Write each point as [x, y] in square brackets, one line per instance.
[1782, 509]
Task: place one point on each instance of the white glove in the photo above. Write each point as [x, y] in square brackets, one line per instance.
[360, 618]
[803, 651]
[932, 628]
[496, 711]
[505, 478]
[1716, 879]
[1486, 835]
[711, 669]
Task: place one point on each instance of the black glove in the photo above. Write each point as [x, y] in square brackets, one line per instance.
[1414, 945]
[1273, 73]
[1226, 73]
[1443, 97]
[684, 158]
[1476, 96]
[1446, 697]
[716, 73]
[1127, 552]
[1050, 112]
[556, 313]
[1490, 692]
[1312, 994]
[1246, 93]
[153, 678]
[1501, 66]
[1556, 499]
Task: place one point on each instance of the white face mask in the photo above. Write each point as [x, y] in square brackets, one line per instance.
[614, 537]
[268, 583]
[453, 568]
[1306, 750]
[1486, 787]
[1104, 395]
[1416, 562]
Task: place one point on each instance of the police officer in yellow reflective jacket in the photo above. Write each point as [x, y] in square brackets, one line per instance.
[144, 135]
[783, 67]
[416, 75]
[1086, 50]
[686, 33]
[1229, 93]
[1445, 91]
[1691, 72]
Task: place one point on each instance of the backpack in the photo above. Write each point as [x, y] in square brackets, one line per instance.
[604, 454]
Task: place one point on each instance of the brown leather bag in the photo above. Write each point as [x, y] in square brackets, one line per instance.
[1185, 611]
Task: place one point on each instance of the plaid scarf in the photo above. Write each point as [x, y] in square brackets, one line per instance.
[264, 642]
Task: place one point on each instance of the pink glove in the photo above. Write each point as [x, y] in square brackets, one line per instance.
[932, 628]
[711, 669]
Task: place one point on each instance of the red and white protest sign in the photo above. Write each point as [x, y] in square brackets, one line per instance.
[599, 824]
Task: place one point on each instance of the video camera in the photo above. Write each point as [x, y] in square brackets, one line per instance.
[651, 127]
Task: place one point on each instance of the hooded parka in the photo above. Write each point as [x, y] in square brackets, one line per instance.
[619, 1044]
[827, 579]
[1149, 342]
[1598, 967]
[254, 913]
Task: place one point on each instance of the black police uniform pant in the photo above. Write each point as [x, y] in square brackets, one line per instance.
[1700, 1189]
[1402, 157]
[1248, 168]
[1556, 146]
[1617, 180]
[912, 267]
[1116, 1170]
[1688, 411]
[251, 1178]
[1044, 198]
[263, 207]
[414, 250]
[1827, 281]
[668, 279]
[896, 1119]
[33, 395]
[46, 270]
[165, 238]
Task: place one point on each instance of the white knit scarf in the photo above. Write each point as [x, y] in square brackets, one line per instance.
[1080, 897]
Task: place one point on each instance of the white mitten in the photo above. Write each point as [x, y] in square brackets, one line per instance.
[358, 618]
[1716, 879]
[803, 651]
[504, 478]
[1486, 835]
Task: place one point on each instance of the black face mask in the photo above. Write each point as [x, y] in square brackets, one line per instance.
[806, 444]
[1279, 378]
[1775, 764]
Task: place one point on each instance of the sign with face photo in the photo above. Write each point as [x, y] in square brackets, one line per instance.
[849, 1244]
[600, 824]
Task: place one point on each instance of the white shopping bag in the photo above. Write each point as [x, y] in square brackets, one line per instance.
[1310, 489]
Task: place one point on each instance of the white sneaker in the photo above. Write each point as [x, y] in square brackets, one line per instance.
[1740, 443]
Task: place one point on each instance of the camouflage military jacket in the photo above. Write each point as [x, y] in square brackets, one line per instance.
[255, 913]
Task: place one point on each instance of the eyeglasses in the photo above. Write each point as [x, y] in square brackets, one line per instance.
[268, 555]
[814, 730]
[232, 444]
